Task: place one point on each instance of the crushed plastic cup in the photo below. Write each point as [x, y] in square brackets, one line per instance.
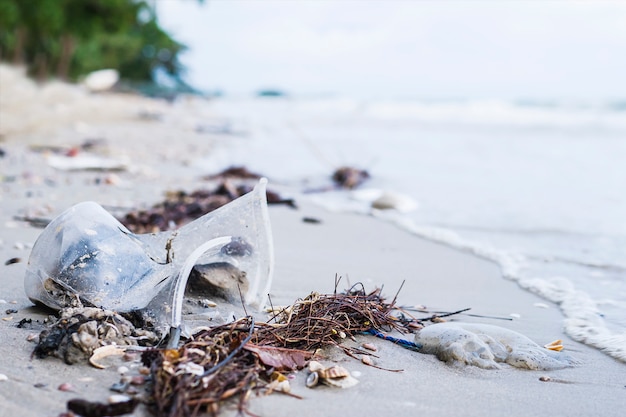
[87, 255]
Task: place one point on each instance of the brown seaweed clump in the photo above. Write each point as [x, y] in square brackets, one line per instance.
[349, 177]
[180, 207]
[231, 361]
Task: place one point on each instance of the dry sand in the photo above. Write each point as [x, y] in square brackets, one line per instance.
[308, 256]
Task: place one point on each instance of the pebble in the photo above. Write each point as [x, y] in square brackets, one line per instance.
[370, 346]
[367, 360]
[66, 387]
[545, 378]
[122, 370]
[3, 377]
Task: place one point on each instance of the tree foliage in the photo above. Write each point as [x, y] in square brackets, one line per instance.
[69, 38]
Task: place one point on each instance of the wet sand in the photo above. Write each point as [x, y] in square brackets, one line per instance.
[158, 155]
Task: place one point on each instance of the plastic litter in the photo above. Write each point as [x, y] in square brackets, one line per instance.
[87, 255]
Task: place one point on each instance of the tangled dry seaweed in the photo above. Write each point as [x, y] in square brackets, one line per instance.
[235, 360]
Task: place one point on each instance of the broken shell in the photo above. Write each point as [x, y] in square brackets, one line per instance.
[367, 360]
[315, 366]
[104, 352]
[438, 320]
[334, 372]
[370, 346]
[312, 379]
[118, 398]
[342, 382]
[557, 345]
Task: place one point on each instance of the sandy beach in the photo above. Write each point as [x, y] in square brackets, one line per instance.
[154, 144]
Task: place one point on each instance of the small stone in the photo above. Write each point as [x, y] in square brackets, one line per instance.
[66, 387]
[11, 311]
[370, 346]
[438, 320]
[545, 378]
[367, 360]
[122, 370]
[40, 385]
[3, 377]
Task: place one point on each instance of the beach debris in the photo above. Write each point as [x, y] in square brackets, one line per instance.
[85, 257]
[85, 163]
[181, 207]
[389, 200]
[556, 345]
[311, 220]
[233, 360]
[367, 360]
[86, 408]
[349, 177]
[101, 80]
[88, 332]
[97, 359]
[333, 376]
[486, 346]
[10, 311]
[13, 261]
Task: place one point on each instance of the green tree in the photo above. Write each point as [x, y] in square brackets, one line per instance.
[69, 38]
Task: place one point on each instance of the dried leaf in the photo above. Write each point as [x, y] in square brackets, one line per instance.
[280, 358]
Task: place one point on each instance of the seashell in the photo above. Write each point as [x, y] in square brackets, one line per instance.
[557, 345]
[342, 382]
[334, 372]
[312, 379]
[370, 346]
[315, 366]
[118, 398]
[104, 352]
[367, 360]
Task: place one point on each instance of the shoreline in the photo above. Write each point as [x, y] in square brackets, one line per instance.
[307, 257]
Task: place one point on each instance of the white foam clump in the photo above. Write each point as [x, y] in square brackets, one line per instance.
[486, 346]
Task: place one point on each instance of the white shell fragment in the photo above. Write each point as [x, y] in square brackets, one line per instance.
[334, 376]
[103, 352]
[486, 346]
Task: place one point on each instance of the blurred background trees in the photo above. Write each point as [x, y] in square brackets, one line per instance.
[70, 38]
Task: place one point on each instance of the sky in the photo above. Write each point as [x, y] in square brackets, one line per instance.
[392, 49]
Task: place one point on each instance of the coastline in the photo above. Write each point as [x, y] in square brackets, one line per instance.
[358, 248]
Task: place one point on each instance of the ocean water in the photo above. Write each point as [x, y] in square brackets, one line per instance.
[538, 187]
